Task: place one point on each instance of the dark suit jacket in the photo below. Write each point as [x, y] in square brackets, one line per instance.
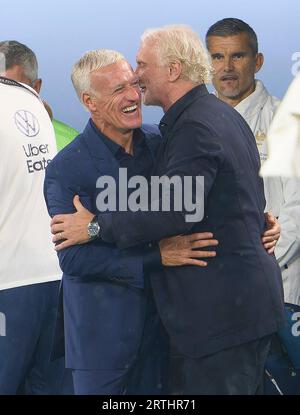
[238, 296]
[104, 300]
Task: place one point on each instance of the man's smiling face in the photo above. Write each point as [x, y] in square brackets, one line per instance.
[116, 98]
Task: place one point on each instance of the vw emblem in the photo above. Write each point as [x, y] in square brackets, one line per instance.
[27, 123]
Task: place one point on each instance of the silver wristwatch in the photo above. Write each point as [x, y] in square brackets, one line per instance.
[93, 228]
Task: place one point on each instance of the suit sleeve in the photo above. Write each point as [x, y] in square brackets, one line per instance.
[288, 246]
[194, 153]
[95, 259]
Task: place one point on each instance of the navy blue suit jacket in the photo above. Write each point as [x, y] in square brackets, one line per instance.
[238, 297]
[103, 296]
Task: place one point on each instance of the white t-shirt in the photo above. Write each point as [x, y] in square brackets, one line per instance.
[27, 144]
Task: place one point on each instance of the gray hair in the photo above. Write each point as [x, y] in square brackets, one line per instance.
[89, 62]
[15, 53]
[181, 43]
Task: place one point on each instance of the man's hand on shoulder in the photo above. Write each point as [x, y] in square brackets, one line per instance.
[71, 228]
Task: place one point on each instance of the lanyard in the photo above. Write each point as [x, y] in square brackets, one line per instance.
[7, 81]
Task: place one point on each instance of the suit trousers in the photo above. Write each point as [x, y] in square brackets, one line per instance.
[147, 374]
[25, 366]
[235, 371]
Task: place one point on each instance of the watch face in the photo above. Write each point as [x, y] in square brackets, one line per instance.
[93, 229]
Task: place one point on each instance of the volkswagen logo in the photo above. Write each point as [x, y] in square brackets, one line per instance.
[27, 123]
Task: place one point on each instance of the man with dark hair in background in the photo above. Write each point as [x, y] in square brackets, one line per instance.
[233, 48]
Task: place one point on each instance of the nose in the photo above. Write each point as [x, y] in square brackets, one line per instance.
[138, 71]
[133, 93]
[228, 65]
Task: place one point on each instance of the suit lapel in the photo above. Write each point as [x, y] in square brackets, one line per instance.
[102, 158]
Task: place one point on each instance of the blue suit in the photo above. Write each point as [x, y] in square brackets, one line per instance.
[105, 295]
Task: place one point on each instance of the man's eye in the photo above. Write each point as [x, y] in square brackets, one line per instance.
[217, 57]
[238, 56]
[119, 89]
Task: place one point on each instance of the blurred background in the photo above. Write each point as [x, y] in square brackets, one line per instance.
[59, 32]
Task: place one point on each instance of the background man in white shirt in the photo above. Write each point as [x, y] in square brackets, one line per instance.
[29, 271]
[233, 47]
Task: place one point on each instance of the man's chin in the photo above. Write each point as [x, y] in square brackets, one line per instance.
[232, 94]
[135, 125]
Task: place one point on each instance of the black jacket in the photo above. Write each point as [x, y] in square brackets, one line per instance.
[238, 297]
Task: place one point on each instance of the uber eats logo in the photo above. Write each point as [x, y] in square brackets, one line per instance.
[36, 160]
[36, 155]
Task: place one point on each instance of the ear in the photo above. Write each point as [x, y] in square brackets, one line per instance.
[37, 85]
[88, 102]
[175, 70]
[259, 61]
